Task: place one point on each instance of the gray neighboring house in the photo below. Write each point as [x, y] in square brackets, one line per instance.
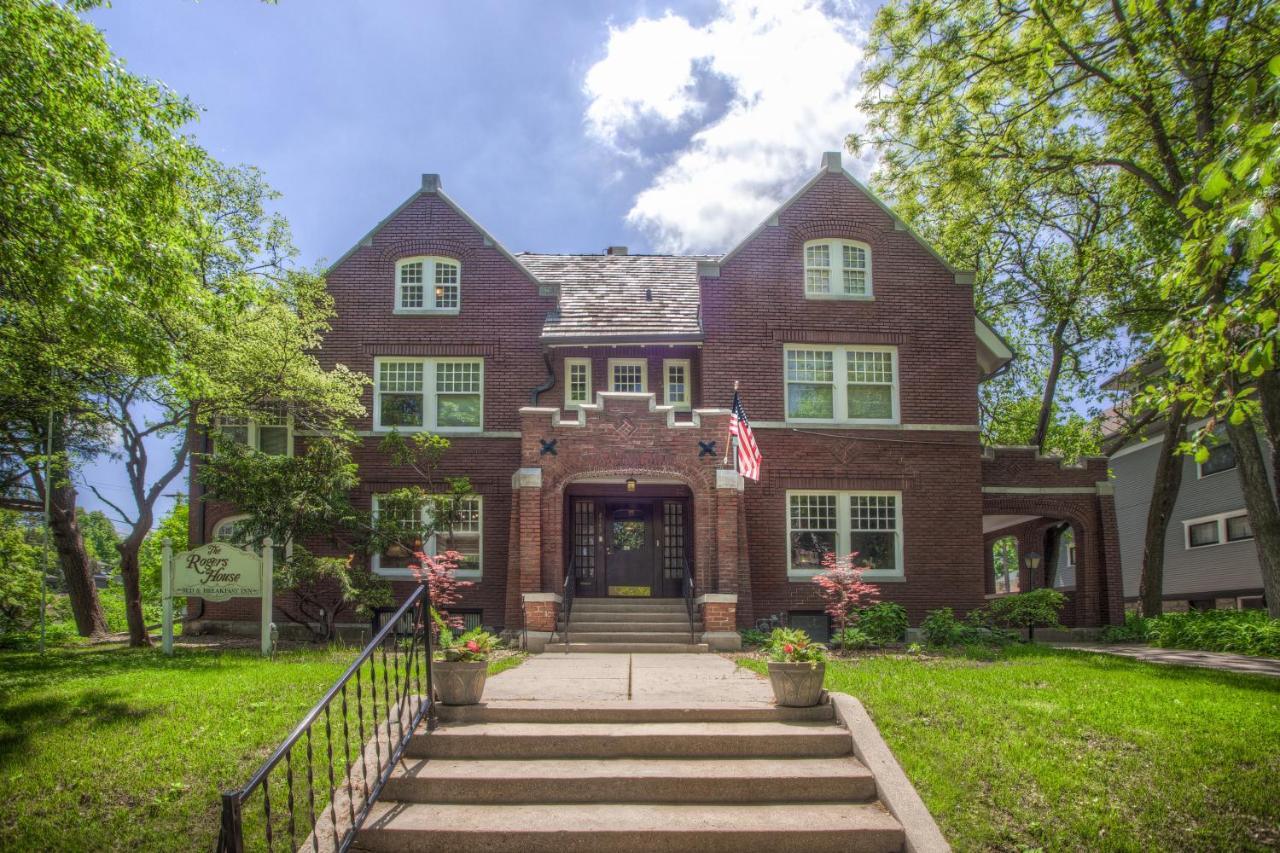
[1210, 557]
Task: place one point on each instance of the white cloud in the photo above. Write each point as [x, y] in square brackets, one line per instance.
[792, 69]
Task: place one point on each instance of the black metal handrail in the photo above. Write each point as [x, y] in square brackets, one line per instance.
[687, 588]
[566, 603]
[403, 646]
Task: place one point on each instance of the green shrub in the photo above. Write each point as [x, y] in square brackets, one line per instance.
[853, 638]
[791, 645]
[884, 623]
[752, 637]
[941, 627]
[1038, 608]
[1246, 632]
[1134, 630]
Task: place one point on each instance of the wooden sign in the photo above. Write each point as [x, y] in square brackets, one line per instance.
[217, 572]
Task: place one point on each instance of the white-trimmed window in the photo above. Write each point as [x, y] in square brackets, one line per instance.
[677, 383]
[629, 375]
[1217, 529]
[445, 393]
[842, 384]
[426, 285]
[824, 522]
[271, 433]
[228, 529]
[837, 269]
[577, 382]
[465, 537]
[1222, 456]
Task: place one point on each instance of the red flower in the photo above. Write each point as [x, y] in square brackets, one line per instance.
[788, 648]
[473, 646]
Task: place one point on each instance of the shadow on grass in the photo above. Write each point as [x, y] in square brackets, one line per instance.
[1185, 673]
[93, 710]
[20, 671]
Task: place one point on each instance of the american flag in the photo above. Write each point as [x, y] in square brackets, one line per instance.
[748, 453]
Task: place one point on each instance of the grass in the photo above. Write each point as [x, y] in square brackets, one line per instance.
[119, 749]
[1057, 750]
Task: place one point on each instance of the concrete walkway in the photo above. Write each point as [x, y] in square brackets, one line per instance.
[641, 679]
[1184, 657]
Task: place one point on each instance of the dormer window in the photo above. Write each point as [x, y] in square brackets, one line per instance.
[837, 269]
[428, 285]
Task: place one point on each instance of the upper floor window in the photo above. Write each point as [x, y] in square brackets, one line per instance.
[577, 382]
[1222, 456]
[628, 375]
[428, 393]
[676, 383]
[428, 285]
[231, 530]
[820, 523]
[270, 433]
[463, 536]
[843, 384]
[1216, 529]
[837, 269]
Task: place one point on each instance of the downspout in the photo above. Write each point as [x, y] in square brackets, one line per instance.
[545, 386]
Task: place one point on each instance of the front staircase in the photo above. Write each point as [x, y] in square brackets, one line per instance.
[536, 777]
[627, 625]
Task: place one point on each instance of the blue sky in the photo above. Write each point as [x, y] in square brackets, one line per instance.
[560, 126]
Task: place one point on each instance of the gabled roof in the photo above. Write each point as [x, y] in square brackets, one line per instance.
[614, 298]
[431, 186]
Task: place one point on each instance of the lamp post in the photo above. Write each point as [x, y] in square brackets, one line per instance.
[1031, 560]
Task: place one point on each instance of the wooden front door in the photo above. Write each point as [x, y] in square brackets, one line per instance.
[629, 549]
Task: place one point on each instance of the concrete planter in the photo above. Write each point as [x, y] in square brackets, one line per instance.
[796, 685]
[459, 682]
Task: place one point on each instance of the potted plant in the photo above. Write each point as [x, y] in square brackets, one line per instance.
[796, 667]
[462, 665]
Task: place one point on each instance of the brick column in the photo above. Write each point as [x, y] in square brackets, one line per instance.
[719, 620]
[728, 497]
[524, 568]
[1112, 576]
[542, 610]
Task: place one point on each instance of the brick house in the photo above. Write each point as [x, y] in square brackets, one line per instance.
[586, 397]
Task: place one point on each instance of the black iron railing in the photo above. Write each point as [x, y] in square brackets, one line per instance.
[566, 605]
[345, 748]
[687, 589]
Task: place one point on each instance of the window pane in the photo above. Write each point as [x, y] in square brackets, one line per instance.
[855, 270]
[401, 409]
[875, 548]
[813, 530]
[458, 393]
[871, 366]
[273, 440]
[871, 401]
[458, 410]
[235, 431]
[446, 296]
[1238, 528]
[1204, 533]
[810, 365]
[1221, 458]
[628, 378]
[810, 401]
[579, 392]
[446, 291]
[817, 266]
[411, 289]
[676, 384]
[398, 555]
[808, 548]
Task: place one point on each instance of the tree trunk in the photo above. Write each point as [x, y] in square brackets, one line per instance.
[130, 574]
[1050, 387]
[68, 541]
[1260, 501]
[1164, 492]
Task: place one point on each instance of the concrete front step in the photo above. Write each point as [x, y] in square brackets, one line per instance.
[611, 618]
[632, 780]
[577, 635]
[613, 712]
[515, 741]
[627, 827]
[632, 605]
[626, 648]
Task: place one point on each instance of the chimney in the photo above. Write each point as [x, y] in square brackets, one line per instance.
[616, 250]
[430, 183]
[831, 161]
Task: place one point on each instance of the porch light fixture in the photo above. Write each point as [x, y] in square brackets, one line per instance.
[631, 484]
[1032, 560]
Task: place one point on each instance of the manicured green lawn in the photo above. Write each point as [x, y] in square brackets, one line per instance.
[1059, 750]
[113, 749]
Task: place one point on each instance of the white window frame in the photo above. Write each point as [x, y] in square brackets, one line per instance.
[429, 405]
[429, 285]
[836, 270]
[644, 373]
[840, 379]
[429, 546]
[569, 364]
[253, 440]
[1221, 519]
[844, 531]
[231, 519]
[1221, 436]
[687, 364]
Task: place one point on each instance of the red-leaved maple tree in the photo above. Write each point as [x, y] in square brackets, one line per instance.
[843, 589]
[438, 572]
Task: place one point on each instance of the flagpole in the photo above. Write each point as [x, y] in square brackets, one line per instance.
[729, 449]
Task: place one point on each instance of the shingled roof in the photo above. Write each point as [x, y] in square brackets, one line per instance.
[620, 297]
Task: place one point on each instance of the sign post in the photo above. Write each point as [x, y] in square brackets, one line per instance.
[268, 566]
[166, 594]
